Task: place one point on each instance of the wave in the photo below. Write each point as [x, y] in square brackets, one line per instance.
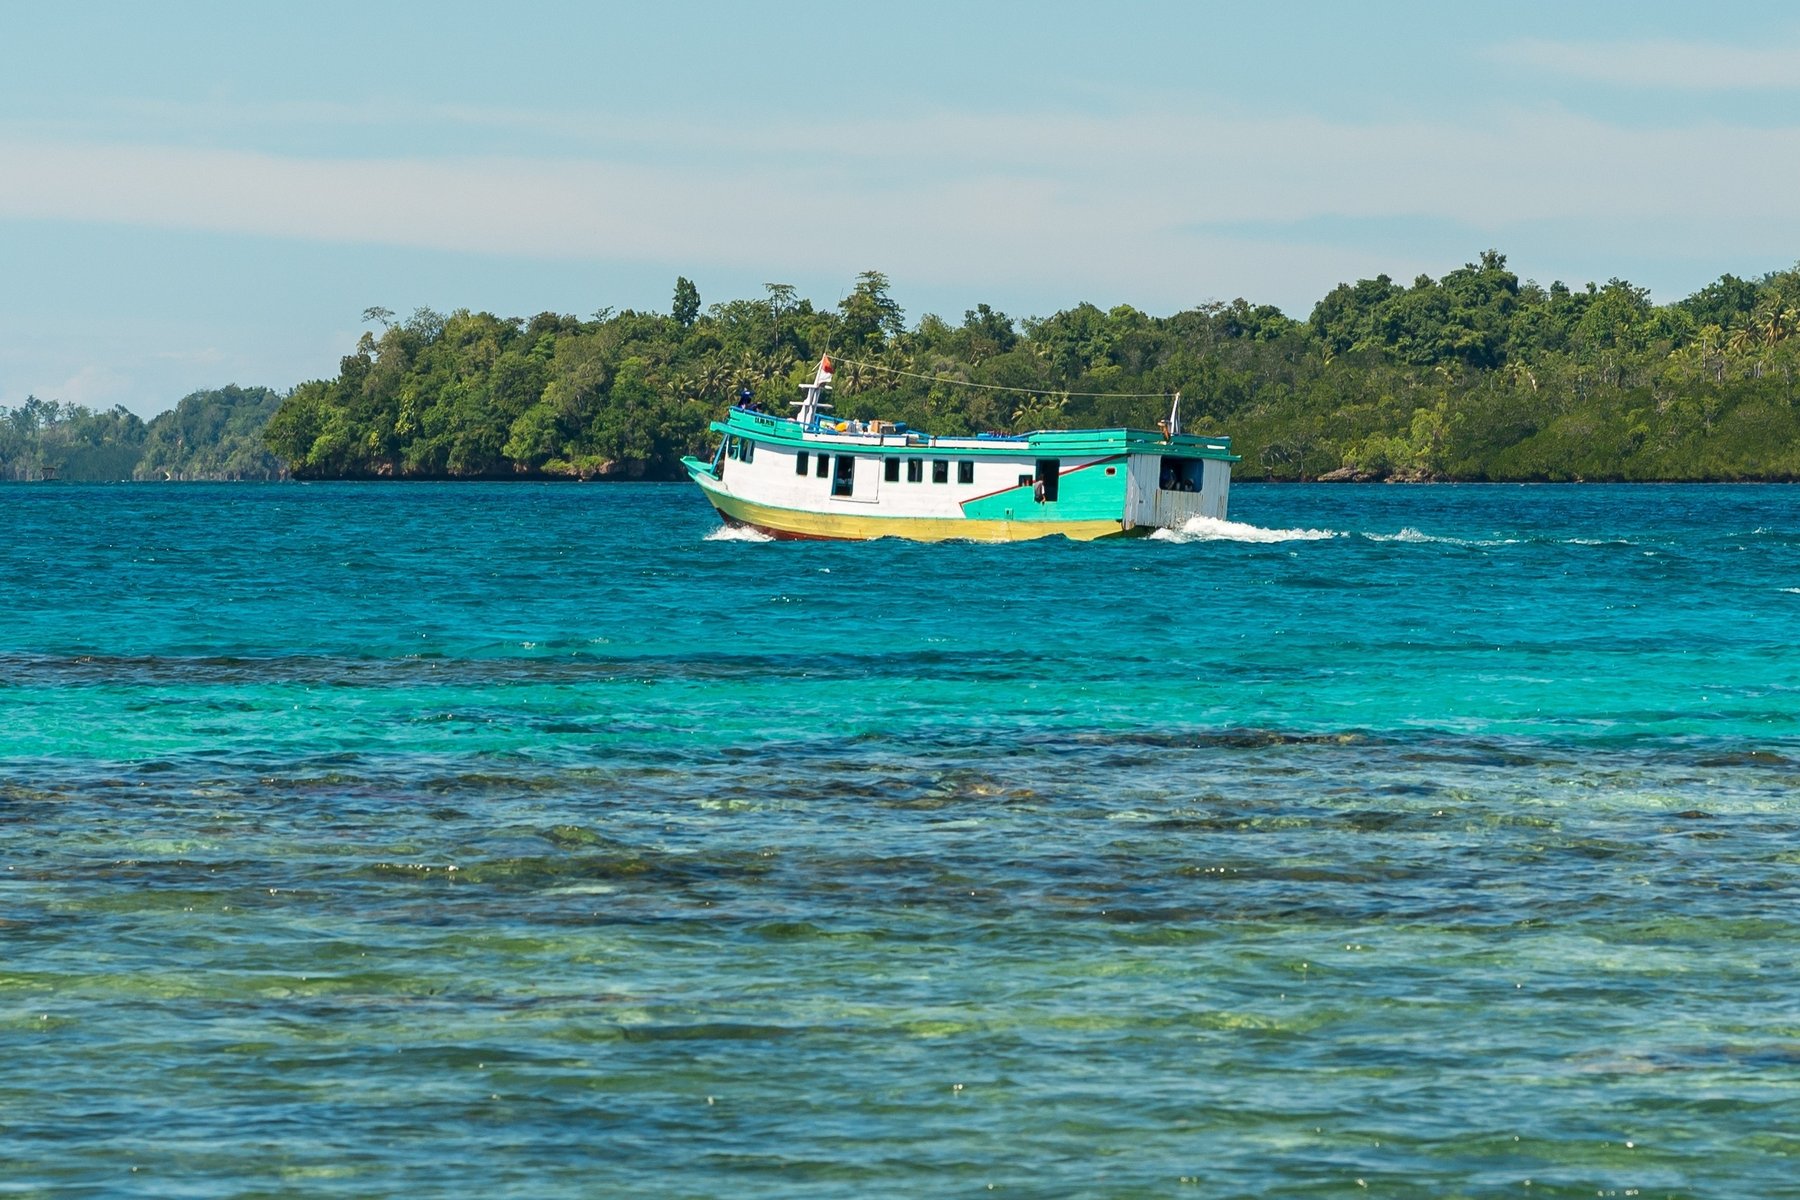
[737, 533]
[1413, 536]
[1409, 534]
[1787, 536]
[1214, 529]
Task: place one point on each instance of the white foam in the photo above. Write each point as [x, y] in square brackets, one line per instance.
[738, 533]
[1418, 537]
[1408, 534]
[1212, 529]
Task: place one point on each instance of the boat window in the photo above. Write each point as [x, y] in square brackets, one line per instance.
[800, 463]
[1180, 474]
[965, 471]
[749, 450]
[1025, 481]
[892, 470]
[824, 466]
[940, 471]
[843, 481]
[915, 470]
[1049, 472]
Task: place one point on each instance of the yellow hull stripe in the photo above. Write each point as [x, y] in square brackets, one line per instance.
[850, 526]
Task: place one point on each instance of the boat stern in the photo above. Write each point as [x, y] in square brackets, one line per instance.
[1166, 491]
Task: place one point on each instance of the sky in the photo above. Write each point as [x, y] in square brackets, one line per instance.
[197, 194]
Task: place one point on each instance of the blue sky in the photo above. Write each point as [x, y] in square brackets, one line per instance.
[199, 194]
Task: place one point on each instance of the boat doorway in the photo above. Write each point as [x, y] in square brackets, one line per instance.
[843, 477]
[1049, 473]
[1181, 474]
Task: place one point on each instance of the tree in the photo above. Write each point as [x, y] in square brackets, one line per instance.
[986, 333]
[687, 302]
[215, 434]
[1724, 302]
[781, 299]
[1471, 375]
[870, 315]
[71, 441]
[1348, 316]
[1040, 412]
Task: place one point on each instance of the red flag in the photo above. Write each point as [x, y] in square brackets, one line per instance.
[825, 367]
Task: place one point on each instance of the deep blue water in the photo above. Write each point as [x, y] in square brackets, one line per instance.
[371, 840]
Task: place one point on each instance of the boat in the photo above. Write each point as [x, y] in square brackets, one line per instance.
[811, 476]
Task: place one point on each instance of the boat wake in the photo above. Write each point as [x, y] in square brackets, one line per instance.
[737, 533]
[1409, 534]
[1213, 529]
[1417, 537]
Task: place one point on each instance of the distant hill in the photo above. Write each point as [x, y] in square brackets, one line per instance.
[42, 439]
[216, 434]
[1478, 375]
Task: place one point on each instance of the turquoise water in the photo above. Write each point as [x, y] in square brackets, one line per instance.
[540, 842]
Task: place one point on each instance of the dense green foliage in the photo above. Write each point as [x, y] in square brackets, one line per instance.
[208, 435]
[1476, 375]
[212, 435]
[42, 439]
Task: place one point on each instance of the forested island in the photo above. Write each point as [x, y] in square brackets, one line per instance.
[215, 434]
[1474, 376]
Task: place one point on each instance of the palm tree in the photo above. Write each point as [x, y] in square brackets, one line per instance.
[1768, 322]
[1039, 412]
[747, 373]
[898, 356]
[778, 364]
[1773, 321]
[852, 377]
[714, 375]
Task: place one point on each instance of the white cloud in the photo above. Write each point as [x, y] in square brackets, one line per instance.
[1142, 207]
[1662, 63]
[93, 386]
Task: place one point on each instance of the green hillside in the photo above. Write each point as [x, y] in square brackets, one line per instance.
[1476, 375]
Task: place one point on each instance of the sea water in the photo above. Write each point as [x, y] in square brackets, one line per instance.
[542, 841]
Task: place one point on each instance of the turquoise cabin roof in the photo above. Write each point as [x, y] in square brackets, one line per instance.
[767, 427]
